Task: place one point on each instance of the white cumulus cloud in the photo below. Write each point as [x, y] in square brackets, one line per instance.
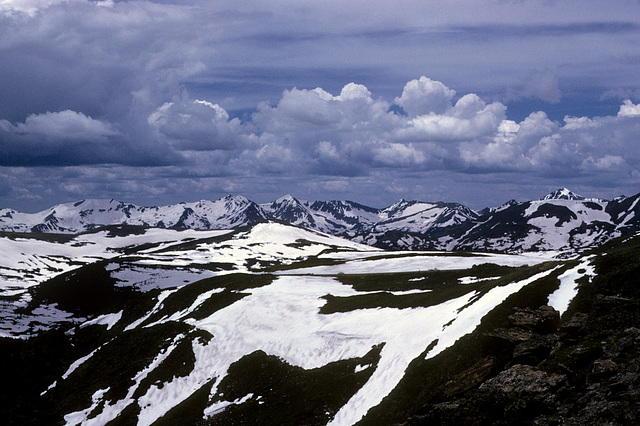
[424, 96]
[62, 125]
[628, 109]
[198, 125]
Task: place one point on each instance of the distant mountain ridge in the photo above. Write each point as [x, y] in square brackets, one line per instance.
[85, 215]
[559, 221]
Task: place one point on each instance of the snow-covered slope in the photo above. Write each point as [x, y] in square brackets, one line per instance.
[348, 218]
[334, 217]
[560, 221]
[563, 194]
[216, 323]
[157, 258]
[424, 218]
[28, 261]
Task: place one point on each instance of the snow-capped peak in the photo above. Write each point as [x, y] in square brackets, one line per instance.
[562, 194]
[286, 199]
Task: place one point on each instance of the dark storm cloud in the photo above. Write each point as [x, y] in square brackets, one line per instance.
[71, 138]
[96, 60]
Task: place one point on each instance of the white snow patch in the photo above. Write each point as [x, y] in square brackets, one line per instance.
[80, 417]
[562, 297]
[220, 406]
[472, 280]
[108, 319]
[111, 267]
[361, 367]
[77, 363]
[416, 263]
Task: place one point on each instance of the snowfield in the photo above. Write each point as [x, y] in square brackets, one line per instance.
[166, 263]
[401, 262]
[27, 262]
[283, 319]
[30, 261]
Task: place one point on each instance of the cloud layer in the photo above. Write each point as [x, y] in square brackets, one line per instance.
[141, 100]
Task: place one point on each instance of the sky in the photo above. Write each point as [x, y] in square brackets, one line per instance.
[469, 101]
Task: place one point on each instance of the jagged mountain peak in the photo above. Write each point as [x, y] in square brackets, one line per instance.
[490, 210]
[398, 207]
[563, 194]
[238, 199]
[286, 199]
[286, 202]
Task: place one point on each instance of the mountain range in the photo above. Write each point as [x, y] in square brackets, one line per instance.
[559, 221]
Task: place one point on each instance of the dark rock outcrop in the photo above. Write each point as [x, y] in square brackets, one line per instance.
[583, 369]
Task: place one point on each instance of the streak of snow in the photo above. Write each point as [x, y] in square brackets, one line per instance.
[156, 308]
[471, 280]
[403, 292]
[51, 386]
[77, 363]
[199, 301]
[108, 319]
[562, 297]
[111, 410]
[629, 217]
[220, 406]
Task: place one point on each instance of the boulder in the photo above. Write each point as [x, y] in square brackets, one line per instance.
[543, 320]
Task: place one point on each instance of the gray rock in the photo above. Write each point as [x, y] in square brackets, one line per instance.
[603, 368]
[577, 322]
[543, 320]
[534, 350]
[523, 380]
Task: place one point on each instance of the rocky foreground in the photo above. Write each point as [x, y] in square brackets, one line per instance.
[537, 369]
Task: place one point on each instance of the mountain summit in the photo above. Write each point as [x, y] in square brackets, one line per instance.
[563, 194]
